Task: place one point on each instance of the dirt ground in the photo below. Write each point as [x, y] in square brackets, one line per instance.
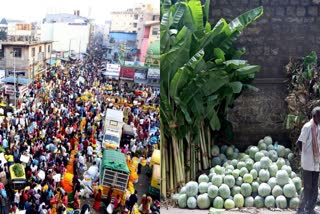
[172, 210]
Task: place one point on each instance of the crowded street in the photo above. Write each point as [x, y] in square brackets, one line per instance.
[54, 157]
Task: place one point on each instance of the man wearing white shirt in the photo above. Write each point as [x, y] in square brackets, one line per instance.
[134, 149]
[309, 144]
[89, 153]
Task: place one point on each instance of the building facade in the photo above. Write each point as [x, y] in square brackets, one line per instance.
[69, 33]
[150, 36]
[30, 58]
[125, 21]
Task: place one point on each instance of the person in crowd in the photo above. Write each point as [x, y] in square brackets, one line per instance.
[117, 204]
[133, 199]
[97, 200]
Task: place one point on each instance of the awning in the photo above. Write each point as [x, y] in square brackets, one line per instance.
[20, 80]
[51, 62]
[65, 59]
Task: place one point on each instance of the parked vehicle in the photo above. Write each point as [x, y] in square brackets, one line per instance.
[114, 173]
[112, 129]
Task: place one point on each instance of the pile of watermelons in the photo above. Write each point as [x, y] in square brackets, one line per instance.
[259, 177]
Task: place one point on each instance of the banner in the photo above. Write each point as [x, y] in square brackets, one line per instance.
[127, 72]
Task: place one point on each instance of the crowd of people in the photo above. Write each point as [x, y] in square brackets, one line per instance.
[63, 111]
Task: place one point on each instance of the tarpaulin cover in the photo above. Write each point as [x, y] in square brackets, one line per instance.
[114, 160]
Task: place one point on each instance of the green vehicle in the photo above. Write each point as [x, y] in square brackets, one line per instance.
[114, 173]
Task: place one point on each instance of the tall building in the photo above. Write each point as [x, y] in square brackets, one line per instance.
[131, 23]
[147, 14]
[69, 33]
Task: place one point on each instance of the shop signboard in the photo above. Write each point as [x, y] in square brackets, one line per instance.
[113, 67]
[153, 73]
[127, 73]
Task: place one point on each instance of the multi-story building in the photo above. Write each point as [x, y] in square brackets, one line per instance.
[150, 36]
[30, 58]
[124, 21]
[133, 21]
[147, 14]
[69, 33]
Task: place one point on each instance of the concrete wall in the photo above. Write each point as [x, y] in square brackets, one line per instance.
[288, 28]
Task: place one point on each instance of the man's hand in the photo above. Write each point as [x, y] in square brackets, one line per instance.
[299, 145]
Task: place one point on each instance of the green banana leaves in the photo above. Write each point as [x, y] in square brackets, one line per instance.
[201, 75]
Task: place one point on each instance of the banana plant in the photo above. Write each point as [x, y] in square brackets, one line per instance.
[201, 76]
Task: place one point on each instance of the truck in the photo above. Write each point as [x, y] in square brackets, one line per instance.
[114, 173]
[112, 129]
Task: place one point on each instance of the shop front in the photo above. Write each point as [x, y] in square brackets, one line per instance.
[153, 77]
[140, 76]
[20, 84]
[127, 74]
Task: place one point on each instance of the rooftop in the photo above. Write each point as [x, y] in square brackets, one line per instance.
[65, 17]
[25, 43]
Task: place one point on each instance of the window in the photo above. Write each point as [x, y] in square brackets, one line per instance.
[136, 16]
[33, 52]
[135, 25]
[155, 31]
[48, 48]
[40, 49]
[17, 52]
[1, 53]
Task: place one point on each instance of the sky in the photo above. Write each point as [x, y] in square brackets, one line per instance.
[36, 10]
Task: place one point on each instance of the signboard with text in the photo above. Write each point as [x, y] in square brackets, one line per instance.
[113, 67]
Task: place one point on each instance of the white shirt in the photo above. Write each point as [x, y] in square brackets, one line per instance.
[89, 150]
[34, 168]
[134, 148]
[307, 160]
[81, 159]
[17, 197]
